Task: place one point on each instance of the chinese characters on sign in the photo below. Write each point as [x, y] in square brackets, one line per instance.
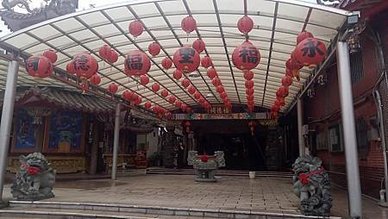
[187, 55]
[135, 62]
[249, 54]
[311, 49]
[219, 110]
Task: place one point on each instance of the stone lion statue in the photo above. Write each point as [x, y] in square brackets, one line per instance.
[35, 178]
[312, 186]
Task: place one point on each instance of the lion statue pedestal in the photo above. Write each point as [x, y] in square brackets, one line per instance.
[206, 166]
[34, 180]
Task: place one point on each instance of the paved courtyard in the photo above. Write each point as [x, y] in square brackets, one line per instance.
[269, 194]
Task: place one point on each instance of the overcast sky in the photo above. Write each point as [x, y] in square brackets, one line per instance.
[82, 5]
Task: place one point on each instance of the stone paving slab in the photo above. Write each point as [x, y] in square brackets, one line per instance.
[230, 193]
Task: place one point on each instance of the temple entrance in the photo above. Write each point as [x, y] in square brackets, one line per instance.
[243, 151]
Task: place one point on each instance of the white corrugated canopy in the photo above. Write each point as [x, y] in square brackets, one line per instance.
[277, 24]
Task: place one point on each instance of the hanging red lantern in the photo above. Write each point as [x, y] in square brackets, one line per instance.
[274, 115]
[164, 93]
[136, 28]
[250, 98]
[211, 73]
[144, 80]
[185, 83]
[199, 45]
[310, 52]
[136, 63]
[294, 66]
[248, 75]
[184, 107]
[112, 88]
[155, 87]
[282, 91]
[223, 95]
[85, 65]
[220, 89]
[113, 56]
[166, 63]
[70, 67]
[134, 96]
[177, 74]
[147, 105]
[216, 82]
[39, 66]
[302, 36]
[172, 99]
[127, 95]
[280, 101]
[197, 95]
[186, 59]
[275, 108]
[249, 91]
[249, 84]
[201, 101]
[154, 49]
[206, 62]
[104, 51]
[51, 55]
[246, 56]
[245, 24]
[178, 104]
[95, 79]
[289, 73]
[286, 81]
[137, 101]
[188, 24]
[191, 90]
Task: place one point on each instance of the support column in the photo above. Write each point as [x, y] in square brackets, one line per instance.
[116, 141]
[6, 119]
[300, 126]
[94, 149]
[349, 131]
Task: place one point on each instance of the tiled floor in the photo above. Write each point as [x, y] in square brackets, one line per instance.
[230, 192]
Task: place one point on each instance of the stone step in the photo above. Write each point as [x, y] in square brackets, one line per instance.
[219, 172]
[105, 210]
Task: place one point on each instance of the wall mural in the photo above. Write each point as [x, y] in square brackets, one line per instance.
[65, 131]
[25, 132]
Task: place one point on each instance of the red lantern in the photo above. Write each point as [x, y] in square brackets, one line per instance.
[51, 55]
[172, 99]
[212, 73]
[104, 51]
[245, 24]
[112, 88]
[155, 87]
[280, 101]
[177, 74]
[186, 59]
[249, 84]
[302, 36]
[39, 66]
[70, 67]
[147, 105]
[154, 49]
[144, 80]
[85, 65]
[113, 56]
[250, 98]
[223, 95]
[310, 52]
[178, 104]
[136, 63]
[286, 81]
[197, 95]
[184, 107]
[249, 92]
[127, 95]
[95, 79]
[137, 101]
[275, 108]
[136, 28]
[289, 73]
[164, 93]
[188, 24]
[220, 89]
[274, 115]
[134, 96]
[206, 62]
[216, 82]
[248, 75]
[166, 63]
[246, 56]
[282, 92]
[185, 83]
[199, 45]
[191, 90]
